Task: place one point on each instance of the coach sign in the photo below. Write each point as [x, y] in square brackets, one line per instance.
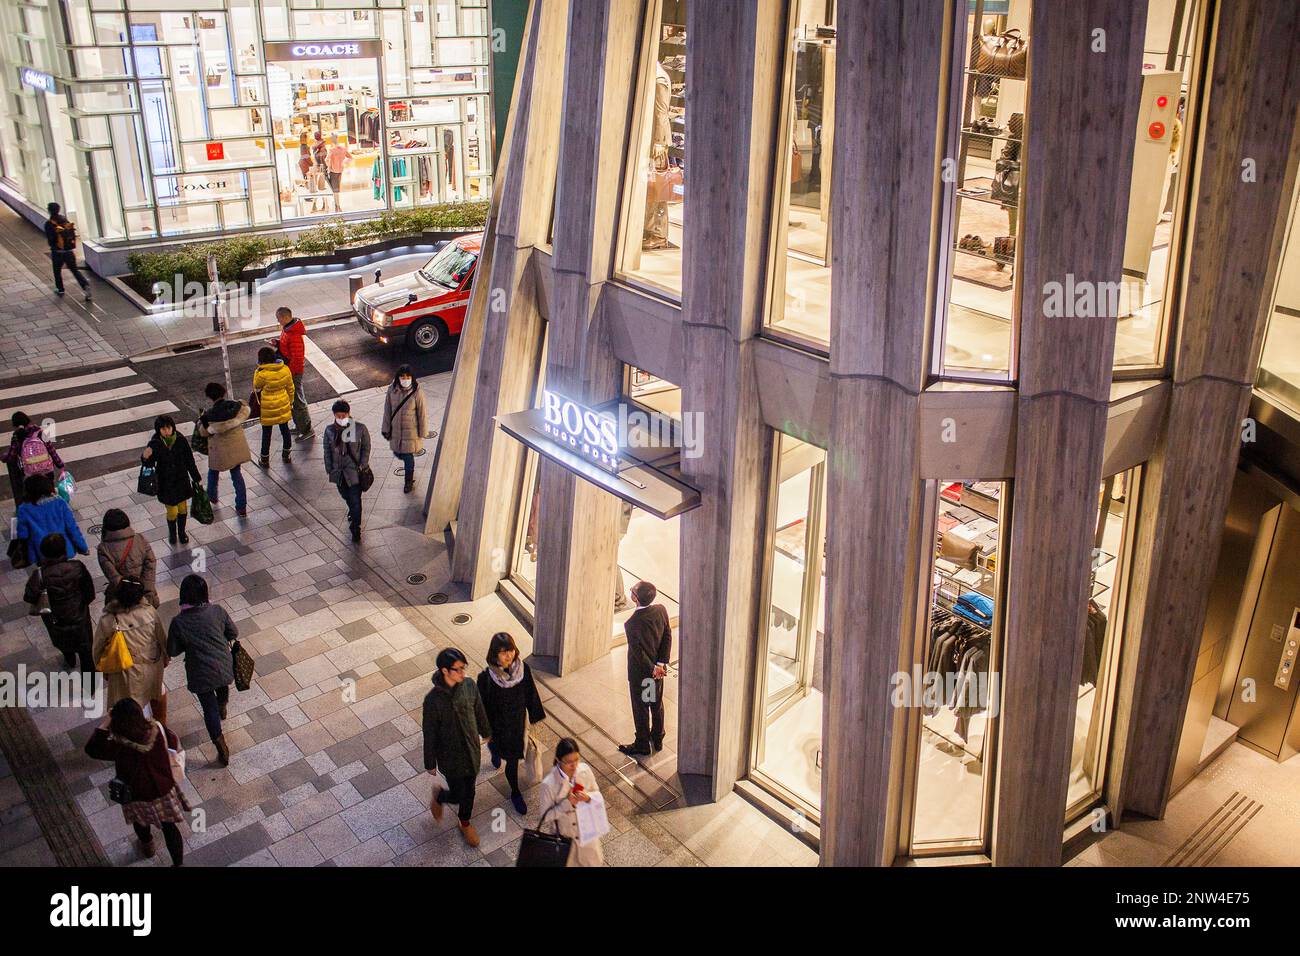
[324, 50]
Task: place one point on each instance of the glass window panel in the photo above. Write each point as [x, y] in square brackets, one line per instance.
[1102, 634]
[958, 668]
[474, 23]
[462, 51]
[228, 154]
[333, 24]
[243, 24]
[1155, 205]
[655, 198]
[129, 155]
[103, 97]
[421, 43]
[217, 73]
[394, 52]
[525, 566]
[188, 218]
[233, 123]
[200, 187]
[187, 93]
[234, 214]
[263, 198]
[788, 730]
[470, 79]
[802, 275]
[93, 130]
[88, 28]
[101, 62]
[111, 223]
[978, 292]
[275, 20]
[477, 160]
[1279, 367]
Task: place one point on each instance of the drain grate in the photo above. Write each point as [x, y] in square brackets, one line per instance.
[461, 618]
[438, 597]
[96, 528]
[421, 453]
[416, 578]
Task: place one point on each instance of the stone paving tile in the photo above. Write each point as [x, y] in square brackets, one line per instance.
[382, 812]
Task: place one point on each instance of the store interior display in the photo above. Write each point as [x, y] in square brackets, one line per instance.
[1279, 367]
[656, 210]
[327, 133]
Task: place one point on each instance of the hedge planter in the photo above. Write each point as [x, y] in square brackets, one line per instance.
[247, 258]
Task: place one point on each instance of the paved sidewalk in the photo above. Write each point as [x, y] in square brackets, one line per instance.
[327, 761]
[40, 331]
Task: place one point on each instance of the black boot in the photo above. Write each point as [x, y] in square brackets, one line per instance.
[285, 455]
[223, 751]
[171, 531]
[180, 529]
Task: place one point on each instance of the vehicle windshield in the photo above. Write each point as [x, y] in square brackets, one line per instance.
[449, 266]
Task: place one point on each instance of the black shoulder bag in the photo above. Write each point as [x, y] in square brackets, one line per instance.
[538, 848]
[364, 474]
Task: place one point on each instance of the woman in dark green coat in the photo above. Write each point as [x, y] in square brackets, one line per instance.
[454, 720]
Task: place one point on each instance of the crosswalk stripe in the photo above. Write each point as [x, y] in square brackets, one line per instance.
[107, 446]
[107, 375]
[336, 377]
[41, 409]
[108, 419]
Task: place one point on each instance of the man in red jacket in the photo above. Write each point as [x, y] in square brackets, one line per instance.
[292, 345]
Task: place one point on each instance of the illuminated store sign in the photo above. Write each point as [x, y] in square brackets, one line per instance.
[585, 431]
[323, 50]
[36, 79]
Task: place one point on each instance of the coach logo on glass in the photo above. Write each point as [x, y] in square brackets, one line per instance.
[323, 50]
[583, 430]
[36, 79]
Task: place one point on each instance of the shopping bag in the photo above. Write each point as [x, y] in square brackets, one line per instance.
[200, 506]
[243, 666]
[18, 554]
[198, 440]
[147, 483]
[66, 486]
[116, 657]
[176, 758]
[532, 770]
[593, 821]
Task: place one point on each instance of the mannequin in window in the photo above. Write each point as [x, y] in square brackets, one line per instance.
[655, 233]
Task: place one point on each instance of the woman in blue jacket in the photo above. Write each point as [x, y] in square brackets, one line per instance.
[44, 513]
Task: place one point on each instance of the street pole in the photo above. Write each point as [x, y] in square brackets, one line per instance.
[219, 321]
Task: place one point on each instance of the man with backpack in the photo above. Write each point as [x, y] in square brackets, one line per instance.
[61, 234]
[29, 454]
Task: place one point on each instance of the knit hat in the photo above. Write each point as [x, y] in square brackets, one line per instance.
[115, 519]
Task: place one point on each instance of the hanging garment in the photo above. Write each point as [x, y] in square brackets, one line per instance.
[377, 178]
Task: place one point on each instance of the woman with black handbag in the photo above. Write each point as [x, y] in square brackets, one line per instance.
[569, 783]
[203, 632]
[177, 474]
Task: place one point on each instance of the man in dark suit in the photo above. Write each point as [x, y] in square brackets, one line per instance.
[649, 646]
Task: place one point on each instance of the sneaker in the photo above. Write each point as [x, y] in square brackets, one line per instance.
[469, 833]
[305, 436]
[58, 292]
[521, 807]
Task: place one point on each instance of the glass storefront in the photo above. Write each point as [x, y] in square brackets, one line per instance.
[801, 271]
[787, 735]
[1171, 71]
[655, 195]
[1279, 367]
[960, 658]
[180, 117]
[1101, 641]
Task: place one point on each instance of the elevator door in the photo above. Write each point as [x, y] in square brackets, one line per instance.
[1263, 710]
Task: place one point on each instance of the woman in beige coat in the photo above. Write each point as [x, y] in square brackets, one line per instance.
[145, 639]
[569, 783]
[124, 554]
[223, 424]
[405, 421]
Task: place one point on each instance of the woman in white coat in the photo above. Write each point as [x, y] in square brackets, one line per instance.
[569, 783]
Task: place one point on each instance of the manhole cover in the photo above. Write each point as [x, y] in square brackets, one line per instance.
[461, 618]
[416, 578]
[399, 468]
[438, 597]
[421, 453]
[96, 528]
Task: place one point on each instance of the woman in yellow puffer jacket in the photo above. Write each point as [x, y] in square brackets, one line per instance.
[273, 383]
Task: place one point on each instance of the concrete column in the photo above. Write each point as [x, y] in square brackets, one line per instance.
[1245, 182]
[578, 523]
[1078, 159]
[733, 100]
[885, 176]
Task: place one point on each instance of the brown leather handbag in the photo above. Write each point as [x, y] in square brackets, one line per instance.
[1003, 54]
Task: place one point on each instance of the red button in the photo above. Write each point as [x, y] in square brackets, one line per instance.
[1162, 101]
[1156, 130]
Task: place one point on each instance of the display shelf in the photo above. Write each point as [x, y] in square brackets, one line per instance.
[980, 134]
[993, 76]
[987, 199]
[997, 260]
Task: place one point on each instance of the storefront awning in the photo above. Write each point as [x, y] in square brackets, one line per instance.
[651, 487]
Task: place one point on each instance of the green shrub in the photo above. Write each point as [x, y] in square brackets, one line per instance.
[237, 253]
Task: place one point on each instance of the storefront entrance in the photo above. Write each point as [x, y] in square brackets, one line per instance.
[325, 120]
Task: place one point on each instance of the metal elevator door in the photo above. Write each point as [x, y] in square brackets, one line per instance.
[1265, 708]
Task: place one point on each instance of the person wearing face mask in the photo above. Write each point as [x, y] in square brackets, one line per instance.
[347, 459]
[405, 422]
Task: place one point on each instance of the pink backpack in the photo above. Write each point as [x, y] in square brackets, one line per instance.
[35, 455]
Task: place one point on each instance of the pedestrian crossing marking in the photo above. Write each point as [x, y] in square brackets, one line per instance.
[107, 446]
[107, 419]
[95, 378]
[51, 407]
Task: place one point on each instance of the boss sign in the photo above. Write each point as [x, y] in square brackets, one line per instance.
[581, 429]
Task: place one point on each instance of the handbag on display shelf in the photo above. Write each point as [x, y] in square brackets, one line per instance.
[1003, 54]
[1006, 182]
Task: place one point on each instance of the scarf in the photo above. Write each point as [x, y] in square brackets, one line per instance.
[169, 440]
[507, 678]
